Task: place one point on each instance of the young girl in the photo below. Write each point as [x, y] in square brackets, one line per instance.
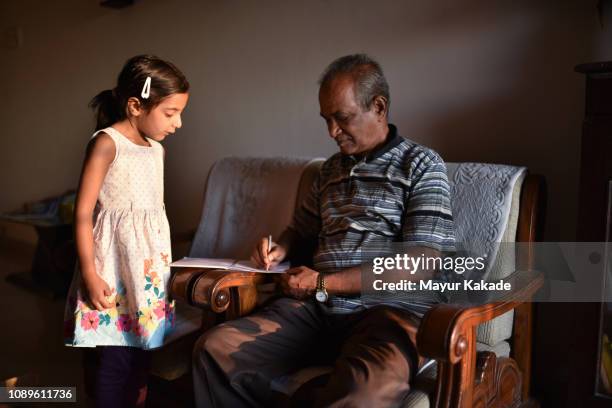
[118, 299]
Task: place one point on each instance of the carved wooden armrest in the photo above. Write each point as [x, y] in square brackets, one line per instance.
[216, 289]
[445, 329]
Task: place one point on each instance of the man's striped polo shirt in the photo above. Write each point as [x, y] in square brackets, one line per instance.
[397, 193]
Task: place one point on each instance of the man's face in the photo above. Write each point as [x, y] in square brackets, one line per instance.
[355, 131]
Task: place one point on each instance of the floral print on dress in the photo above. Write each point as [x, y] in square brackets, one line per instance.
[144, 321]
[90, 320]
[124, 323]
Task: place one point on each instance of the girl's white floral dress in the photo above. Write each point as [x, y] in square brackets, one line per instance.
[132, 254]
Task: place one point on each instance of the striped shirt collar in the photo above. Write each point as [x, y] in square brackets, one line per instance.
[392, 140]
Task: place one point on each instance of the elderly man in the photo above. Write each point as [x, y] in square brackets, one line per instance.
[379, 189]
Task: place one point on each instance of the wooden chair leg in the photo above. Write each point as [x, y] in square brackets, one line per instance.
[521, 344]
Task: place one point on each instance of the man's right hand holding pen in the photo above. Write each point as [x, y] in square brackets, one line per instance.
[298, 282]
[268, 254]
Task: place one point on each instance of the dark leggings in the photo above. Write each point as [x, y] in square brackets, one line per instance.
[121, 377]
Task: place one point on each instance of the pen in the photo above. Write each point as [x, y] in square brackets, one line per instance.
[269, 246]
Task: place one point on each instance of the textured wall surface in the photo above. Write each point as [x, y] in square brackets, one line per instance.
[475, 80]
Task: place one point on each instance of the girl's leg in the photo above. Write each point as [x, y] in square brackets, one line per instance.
[122, 373]
[112, 374]
[136, 387]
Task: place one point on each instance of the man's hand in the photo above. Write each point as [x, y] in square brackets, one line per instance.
[299, 283]
[263, 257]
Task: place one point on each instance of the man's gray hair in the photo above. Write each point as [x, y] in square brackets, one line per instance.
[367, 75]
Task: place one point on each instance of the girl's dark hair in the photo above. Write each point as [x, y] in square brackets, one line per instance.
[166, 79]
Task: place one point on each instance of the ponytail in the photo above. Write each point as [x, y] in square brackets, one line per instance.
[108, 110]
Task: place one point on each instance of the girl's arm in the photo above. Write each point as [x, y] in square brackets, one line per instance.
[99, 156]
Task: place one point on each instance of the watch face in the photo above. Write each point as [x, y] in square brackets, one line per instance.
[321, 296]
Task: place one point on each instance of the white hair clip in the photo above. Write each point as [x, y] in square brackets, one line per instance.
[146, 89]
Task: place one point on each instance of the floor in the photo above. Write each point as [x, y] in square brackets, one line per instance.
[32, 347]
[32, 320]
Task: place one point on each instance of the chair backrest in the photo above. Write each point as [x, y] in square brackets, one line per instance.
[242, 204]
[246, 199]
[486, 202]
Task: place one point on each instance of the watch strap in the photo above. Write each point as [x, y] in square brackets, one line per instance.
[320, 282]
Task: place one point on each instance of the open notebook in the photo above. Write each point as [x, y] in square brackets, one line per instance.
[222, 263]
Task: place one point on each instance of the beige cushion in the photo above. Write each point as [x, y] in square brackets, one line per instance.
[174, 359]
[423, 387]
[500, 328]
[246, 199]
[417, 398]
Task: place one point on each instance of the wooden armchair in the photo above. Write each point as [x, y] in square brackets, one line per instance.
[467, 377]
[465, 371]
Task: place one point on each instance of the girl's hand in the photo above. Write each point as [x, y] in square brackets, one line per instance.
[97, 292]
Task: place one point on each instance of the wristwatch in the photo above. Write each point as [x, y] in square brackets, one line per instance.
[321, 293]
